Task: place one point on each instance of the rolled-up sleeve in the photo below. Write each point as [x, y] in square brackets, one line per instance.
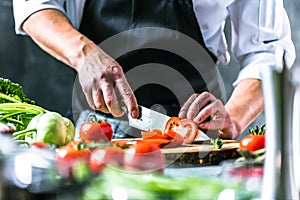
[261, 36]
[22, 9]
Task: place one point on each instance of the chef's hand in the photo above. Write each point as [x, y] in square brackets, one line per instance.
[209, 113]
[102, 79]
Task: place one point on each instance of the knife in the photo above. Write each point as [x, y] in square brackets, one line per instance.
[150, 119]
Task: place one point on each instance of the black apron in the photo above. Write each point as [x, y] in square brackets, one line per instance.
[152, 40]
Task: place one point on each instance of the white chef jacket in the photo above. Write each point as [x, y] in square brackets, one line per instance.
[260, 29]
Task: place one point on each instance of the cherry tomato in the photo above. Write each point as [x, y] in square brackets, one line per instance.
[144, 157]
[39, 145]
[187, 128]
[253, 142]
[102, 157]
[67, 156]
[96, 131]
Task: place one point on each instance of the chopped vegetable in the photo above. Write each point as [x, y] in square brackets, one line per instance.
[166, 139]
[218, 143]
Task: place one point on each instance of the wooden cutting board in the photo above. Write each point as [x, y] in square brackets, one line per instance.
[200, 154]
[204, 147]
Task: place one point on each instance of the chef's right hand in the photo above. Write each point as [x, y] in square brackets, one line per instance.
[101, 78]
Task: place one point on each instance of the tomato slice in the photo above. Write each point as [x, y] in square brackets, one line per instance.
[191, 132]
[154, 134]
[172, 123]
[176, 139]
[187, 128]
[158, 141]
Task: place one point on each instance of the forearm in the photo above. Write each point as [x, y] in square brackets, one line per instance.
[245, 104]
[54, 33]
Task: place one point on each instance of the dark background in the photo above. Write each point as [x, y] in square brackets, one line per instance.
[44, 79]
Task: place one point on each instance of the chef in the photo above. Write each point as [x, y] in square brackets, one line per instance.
[162, 54]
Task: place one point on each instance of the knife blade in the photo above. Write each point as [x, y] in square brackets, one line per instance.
[150, 119]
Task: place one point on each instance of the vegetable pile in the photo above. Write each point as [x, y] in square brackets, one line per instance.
[31, 123]
[109, 166]
[16, 109]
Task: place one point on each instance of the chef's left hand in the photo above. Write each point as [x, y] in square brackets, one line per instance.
[209, 113]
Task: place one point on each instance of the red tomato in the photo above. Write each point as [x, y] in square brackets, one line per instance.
[67, 156]
[176, 139]
[102, 157]
[154, 134]
[159, 142]
[187, 128]
[96, 131]
[107, 129]
[253, 142]
[144, 157]
[39, 145]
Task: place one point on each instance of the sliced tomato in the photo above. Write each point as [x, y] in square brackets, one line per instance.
[176, 139]
[154, 134]
[187, 128]
[172, 123]
[158, 141]
[192, 131]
